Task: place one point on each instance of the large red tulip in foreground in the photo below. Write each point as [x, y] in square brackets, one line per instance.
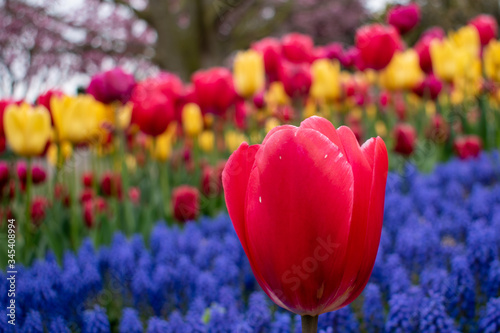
[307, 205]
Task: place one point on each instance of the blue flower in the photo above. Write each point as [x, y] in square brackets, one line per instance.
[342, 320]
[157, 325]
[373, 309]
[58, 325]
[493, 284]
[258, 315]
[433, 316]
[33, 323]
[282, 323]
[490, 317]
[402, 314]
[130, 322]
[96, 321]
[461, 296]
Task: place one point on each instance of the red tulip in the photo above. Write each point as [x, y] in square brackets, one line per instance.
[405, 138]
[4, 174]
[422, 47]
[377, 44]
[468, 146]
[307, 205]
[38, 207]
[350, 57]
[270, 48]
[430, 87]
[241, 112]
[404, 18]
[86, 195]
[486, 26]
[185, 203]
[134, 194]
[44, 100]
[214, 90]
[88, 214]
[210, 183]
[259, 101]
[154, 105]
[88, 179]
[296, 78]
[112, 85]
[297, 48]
[38, 174]
[111, 185]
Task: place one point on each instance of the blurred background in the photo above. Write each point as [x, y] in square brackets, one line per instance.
[54, 43]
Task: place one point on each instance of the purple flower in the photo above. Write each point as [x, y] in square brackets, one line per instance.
[110, 86]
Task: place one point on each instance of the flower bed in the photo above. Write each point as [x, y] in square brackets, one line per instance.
[437, 270]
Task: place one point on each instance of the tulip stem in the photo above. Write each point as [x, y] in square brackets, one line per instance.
[27, 230]
[309, 324]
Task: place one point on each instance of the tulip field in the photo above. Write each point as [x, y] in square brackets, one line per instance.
[303, 188]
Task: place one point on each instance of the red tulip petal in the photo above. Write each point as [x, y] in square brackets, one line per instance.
[277, 129]
[363, 174]
[299, 204]
[325, 127]
[235, 181]
[376, 151]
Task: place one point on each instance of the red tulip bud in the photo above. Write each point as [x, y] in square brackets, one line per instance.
[468, 146]
[38, 207]
[404, 18]
[270, 48]
[377, 44]
[111, 185]
[405, 138]
[486, 26]
[185, 202]
[430, 87]
[134, 195]
[297, 48]
[88, 179]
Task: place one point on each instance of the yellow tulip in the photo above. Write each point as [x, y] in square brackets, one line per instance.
[467, 38]
[234, 140]
[443, 63]
[403, 72]
[124, 115]
[276, 95]
[492, 60]
[249, 74]
[206, 141]
[163, 145]
[192, 119]
[310, 109]
[380, 128]
[326, 80]
[27, 129]
[52, 153]
[271, 123]
[78, 119]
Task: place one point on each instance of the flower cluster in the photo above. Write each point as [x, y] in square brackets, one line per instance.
[438, 269]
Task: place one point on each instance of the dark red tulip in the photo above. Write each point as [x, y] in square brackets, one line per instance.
[377, 44]
[185, 203]
[297, 48]
[404, 17]
[241, 111]
[38, 174]
[214, 90]
[88, 214]
[422, 47]
[88, 179]
[430, 87]
[438, 129]
[270, 48]
[405, 138]
[296, 78]
[2, 144]
[4, 174]
[110, 86]
[154, 104]
[38, 208]
[111, 185]
[486, 26]
[134, 195]
[86, 195]
[282, 197]
[468, 146]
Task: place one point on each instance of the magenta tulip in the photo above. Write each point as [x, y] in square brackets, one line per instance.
[404, 18]
[307, 205]
[214, 90]
[486, 26]
[110, 86]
